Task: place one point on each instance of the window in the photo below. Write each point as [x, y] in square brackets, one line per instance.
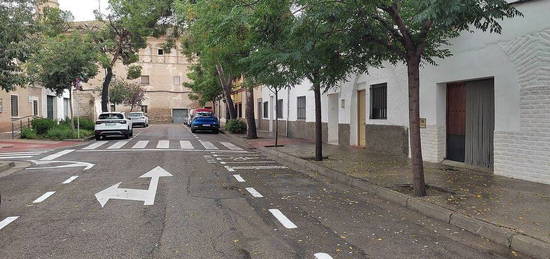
[177, 80]
[14, 105]
[378, 100]
[301, 106]
[110, 116]
[266, 110]
[35, 107]
[260, 108]
[66, 105]
[144, 108]
[1, 105]
[144, 80]
[280, 109]
[160, 52]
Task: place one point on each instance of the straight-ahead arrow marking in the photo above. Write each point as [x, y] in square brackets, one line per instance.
[147, 196]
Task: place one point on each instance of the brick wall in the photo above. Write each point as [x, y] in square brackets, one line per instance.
[526, 154]
[433, 143]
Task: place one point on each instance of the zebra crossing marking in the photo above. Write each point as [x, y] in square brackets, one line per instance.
[141, 144]
[163, 144]
[184, 144]
[208, 145]
[230, 146]
[96, 145]
[118, 145]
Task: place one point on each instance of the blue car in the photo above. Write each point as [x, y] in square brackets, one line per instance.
[207, 123]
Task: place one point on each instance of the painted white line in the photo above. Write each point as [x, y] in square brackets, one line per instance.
[260, 167]
[164, 144]
[72, 178]
[207, 145]
[20, 153]
[96, 145]
[7, 221]
[118, 145]
[160, 150]
[239, 178]
[43, 197]
[254, 193]
[322, 256]
[282, 218]
[249, 162]
[229, 168]
[184, 144]
[13, 157]
[231, 146]
[141, 144]
[56, 155]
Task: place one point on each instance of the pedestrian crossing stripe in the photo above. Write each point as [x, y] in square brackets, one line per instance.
[185, 145]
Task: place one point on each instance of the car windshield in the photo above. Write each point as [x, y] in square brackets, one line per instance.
[108, 116]
[135, 114]
[204, 114]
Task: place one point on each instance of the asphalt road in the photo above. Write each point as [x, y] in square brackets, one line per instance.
[203, 210]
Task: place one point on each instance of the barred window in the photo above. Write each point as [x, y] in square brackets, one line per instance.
[379, 102]
[14, 105]
[280, 109]
[301, 106]
[144, 80]
[260, 108]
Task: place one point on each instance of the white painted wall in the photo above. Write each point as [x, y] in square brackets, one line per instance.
[518, 61]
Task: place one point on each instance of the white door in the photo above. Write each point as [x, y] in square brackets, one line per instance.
[333, 119]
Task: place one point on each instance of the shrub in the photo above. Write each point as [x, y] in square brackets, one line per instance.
[41, 126]
[86, 124]
[28, 133]
[235, 126]
[60, 132]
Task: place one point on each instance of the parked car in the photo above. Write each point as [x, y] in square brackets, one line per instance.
[208, 123]
[113, 124]
[139, 118]
[198, 112]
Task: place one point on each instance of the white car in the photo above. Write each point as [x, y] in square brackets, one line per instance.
[113, 124]
[139, 118]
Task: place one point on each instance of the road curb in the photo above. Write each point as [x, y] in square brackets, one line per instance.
[502, 235]
[6, 166]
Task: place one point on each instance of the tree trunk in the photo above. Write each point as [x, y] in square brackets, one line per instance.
[413, 67]
[105, 90]
[318, 125]
[227, 83]
[250, 120]
[276, 118]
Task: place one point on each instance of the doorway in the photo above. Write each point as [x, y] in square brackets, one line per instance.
[471, 122]
[179, 115]
[361, 118]
[333, 119]
[50, 101]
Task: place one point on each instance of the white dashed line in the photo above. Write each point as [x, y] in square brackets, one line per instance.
[43, 197]
[322, 256]
[239, 178]
[282, 218]
[248, 162]
[72, 178]
[96, 145]
[58, 154]
[7, 221]
[254, 193]
[261, 167]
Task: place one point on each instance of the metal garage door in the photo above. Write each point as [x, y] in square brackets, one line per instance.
[179, 115]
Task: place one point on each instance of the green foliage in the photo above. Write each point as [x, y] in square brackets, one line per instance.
[63, 61]
[28, 133]
[235, 126]
[41, 126]
[134, 71]
[86, 124]
[204, 84]
[118, 92]
[128, 93]
[64, 131]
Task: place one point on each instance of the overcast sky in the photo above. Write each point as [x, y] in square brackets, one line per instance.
[83, 10]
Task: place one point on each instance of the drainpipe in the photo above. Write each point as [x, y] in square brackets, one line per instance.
[287, 109]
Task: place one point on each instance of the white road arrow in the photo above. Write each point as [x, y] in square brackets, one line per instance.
[147, 196]
[69, 164]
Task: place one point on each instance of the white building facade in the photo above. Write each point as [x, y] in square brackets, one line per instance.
[488, 105]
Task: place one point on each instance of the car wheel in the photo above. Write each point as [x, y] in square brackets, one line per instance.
[193, 131]
[132, 133]
[216, 131]
[97, 137]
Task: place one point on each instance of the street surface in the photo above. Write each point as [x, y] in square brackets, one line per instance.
[168, 193]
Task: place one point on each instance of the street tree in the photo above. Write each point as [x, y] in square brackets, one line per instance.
[204, 84]
[135, 95]
[63, 62]
[123, 32]
[17, 27]
[118, 92]
[416, 32]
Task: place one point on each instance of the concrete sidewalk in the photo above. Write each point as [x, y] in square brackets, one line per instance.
[515, 205]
